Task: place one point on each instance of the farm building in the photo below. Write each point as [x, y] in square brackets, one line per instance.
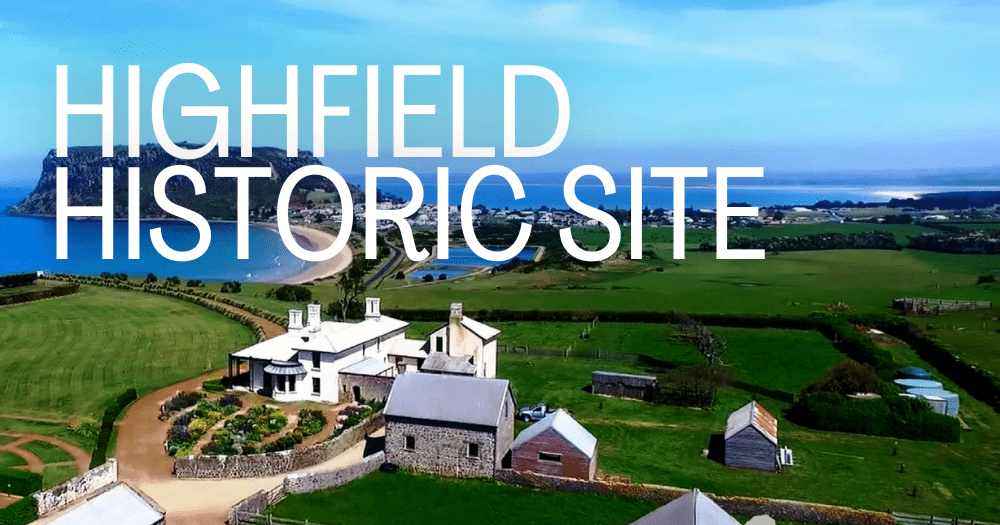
[622, 385]
[463, 340]
[450, 425]
[693, 508]
[556, 446]
[752, 438]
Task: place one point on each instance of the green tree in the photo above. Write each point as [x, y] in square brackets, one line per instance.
[352, 283]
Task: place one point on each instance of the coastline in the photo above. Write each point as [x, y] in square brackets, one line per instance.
[316, 240]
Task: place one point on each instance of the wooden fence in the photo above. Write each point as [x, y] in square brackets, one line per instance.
[916, 519]
[254, 504]
[246, 518]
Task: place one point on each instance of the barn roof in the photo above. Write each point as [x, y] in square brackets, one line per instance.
[483, 331]
[752, 414]
[564, 425]
[629, 379]
[454, 399]
[693, 508]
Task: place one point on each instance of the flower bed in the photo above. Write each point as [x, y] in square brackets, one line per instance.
[243, 434]
[191, 425]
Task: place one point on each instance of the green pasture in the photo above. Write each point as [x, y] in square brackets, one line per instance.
[443, 501]
[47, 452]
[70, 356]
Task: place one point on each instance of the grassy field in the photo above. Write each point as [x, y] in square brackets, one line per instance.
[441, 501]
[70, 356]
[658, 444]
[10, 459]
[56, 474]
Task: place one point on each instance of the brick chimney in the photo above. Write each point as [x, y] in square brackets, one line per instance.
[373, 308]
[314, 319]
[294, 320]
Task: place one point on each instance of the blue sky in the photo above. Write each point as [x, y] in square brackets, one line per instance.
[790, 86]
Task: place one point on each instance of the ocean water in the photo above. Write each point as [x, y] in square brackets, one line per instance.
[462, 261]
[29, 244]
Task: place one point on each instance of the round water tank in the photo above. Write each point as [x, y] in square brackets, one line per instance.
[907, 384]
[912, 372]
[950, 398]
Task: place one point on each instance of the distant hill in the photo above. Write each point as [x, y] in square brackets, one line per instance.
[218, 202]
[952, 200]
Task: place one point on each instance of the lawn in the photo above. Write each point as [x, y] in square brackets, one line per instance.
[10, 459]
[56, 474]
[70, 356]
[663, 445]
[47, 452]
[441, 501]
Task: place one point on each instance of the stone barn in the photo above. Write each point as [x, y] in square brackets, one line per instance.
[449, 425]
[752, 438]
[623, 385]
[556, 446]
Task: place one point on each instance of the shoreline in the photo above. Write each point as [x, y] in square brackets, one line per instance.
[316, 240]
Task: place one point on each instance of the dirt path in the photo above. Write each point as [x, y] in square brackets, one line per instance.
[80, 458]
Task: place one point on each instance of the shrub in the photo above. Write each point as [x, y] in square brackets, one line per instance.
[400, 275]
[181, 401]
[692, 385]
[150, 278]
[442, 277]
[847, 377]
[230, 400]
[231, 287]
[86, 427]
[428, 278]
[986, 279]
[100, 454]
[293, 292]
[21, 512]
[310, 422]
[892, 416]
[286, 442]
[213, 385]
[19, 482]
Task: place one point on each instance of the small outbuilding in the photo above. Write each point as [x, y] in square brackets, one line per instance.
[120, 504]
[623, 385]
[693, 508]
[556, 446]
[752, 438]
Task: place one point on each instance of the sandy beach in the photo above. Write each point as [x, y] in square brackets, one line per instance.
[316, 240]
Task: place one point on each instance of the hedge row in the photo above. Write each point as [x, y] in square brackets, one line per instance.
[891, 416]
[35, 295]
[21, 512]
[19, 482]
[17, 279]
[977, 381]
[838, 328]
[100, 455]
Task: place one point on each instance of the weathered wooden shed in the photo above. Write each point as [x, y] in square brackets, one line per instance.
[752, 438]
[556, 446]
[623, 385]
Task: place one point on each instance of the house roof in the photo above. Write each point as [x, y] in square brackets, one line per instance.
[693, 508]
[564, 425]
[120, 504]
[406, 347]
[448, 398]
[367, 367]
[446, 364]
[331, 338]
[483, 331]
[752, 414]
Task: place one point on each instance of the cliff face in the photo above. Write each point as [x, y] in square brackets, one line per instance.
[218, 202]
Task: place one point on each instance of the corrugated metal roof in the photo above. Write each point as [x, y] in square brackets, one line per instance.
[446, 364]
[406, 347]
[637, 380]
[120, 505]
[693, 508]
[285, 368]
[752, 414]
[331, 338]
[455, 399]
[564, 425]
[367, 367]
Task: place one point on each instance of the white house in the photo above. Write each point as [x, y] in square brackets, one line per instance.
[335, 361]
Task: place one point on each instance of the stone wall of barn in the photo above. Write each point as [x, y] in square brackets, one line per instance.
[440, 449]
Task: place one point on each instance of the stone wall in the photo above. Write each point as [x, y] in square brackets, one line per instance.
[302, 483]
[440, 450]
[255, 465]
[372, 387]
[79, 487]
[796, 511]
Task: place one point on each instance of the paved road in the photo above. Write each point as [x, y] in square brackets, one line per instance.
[397, 254]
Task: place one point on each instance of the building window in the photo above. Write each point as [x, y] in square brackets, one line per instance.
[440, 344]
[545, 456]
[411, 443]
[281, 383]
[473, 450]
[315, 360]
[316, 385]
[291, 383]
